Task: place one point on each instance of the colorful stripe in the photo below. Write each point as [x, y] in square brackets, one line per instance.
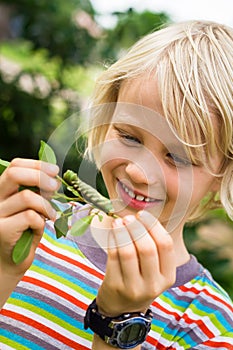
[46, 309]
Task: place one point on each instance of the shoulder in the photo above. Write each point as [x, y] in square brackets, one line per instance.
[193, 313]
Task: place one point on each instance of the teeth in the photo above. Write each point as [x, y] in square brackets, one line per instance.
[130, 193]
[138, 196]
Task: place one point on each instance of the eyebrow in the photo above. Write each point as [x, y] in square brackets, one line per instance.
[150, 121]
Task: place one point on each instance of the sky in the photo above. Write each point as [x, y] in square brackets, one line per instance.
[179, 10]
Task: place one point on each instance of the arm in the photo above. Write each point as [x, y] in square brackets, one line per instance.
[7, 285]
[19, 211]
[141, 265]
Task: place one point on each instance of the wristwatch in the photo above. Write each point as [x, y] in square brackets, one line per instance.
[124, 331]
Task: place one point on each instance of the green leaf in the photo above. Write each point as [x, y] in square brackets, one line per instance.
[46, 153]
[61, 226]
[80, 226]
[3, 165]
[55, 206]
[23, 246]
[68, 211]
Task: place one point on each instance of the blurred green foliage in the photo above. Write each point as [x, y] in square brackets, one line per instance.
[217, 258]
[42, 72]
[53, 25]
[37, 95]
[130, 27]
[49, 58]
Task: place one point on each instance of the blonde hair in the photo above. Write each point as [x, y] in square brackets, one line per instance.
[193, 65]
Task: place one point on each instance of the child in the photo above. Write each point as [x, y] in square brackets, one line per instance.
[162, 135]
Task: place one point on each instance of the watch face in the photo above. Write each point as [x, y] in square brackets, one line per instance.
[132, 333]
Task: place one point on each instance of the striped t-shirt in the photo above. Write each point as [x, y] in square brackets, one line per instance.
[47, 308]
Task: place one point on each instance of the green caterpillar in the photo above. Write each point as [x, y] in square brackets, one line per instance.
[88, 193]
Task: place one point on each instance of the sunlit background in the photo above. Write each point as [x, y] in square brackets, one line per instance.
[179, 10]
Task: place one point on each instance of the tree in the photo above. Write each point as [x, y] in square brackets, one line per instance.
[131, 26]
[58, 26]
[42, 43]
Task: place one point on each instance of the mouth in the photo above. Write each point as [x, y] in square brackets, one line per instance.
[135, 199]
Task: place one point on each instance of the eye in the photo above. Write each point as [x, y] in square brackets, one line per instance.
[126, 137]
[178, 160]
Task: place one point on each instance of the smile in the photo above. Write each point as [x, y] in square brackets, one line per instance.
[137, 197]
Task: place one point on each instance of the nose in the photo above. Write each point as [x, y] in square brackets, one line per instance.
[144, 172]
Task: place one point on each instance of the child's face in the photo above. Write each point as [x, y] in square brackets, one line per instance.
[144, 165]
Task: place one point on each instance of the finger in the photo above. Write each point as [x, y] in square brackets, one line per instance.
[24, 220]
[13, 177]
[163, 242]
[100, 230]
[24, 200]
[113, 263]
[126, 251]
[145, 246]
[112, 283]
[48, 168]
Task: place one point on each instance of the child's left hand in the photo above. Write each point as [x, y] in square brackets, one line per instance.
[140, 266]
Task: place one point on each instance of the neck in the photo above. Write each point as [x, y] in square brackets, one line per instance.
[181, 252]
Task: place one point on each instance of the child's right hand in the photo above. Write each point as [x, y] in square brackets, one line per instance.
[20, 210]
[141, 262]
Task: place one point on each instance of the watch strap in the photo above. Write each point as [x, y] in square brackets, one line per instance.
[101, 325]
[93, 320]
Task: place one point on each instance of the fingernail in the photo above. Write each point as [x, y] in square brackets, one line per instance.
[129, 218]
[150, 221]
[53, 184]
[117, 222]
[53, 169]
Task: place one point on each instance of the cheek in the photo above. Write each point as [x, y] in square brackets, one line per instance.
[180, 189]
[107, 152]
[192, 186]
[114, 152]
[108, 168]
[203, 184]
[110, 158]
